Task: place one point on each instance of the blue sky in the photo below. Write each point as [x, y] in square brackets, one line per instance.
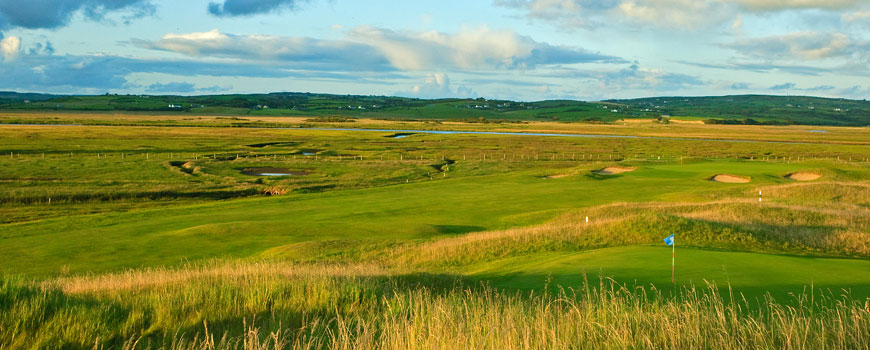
[513, 49]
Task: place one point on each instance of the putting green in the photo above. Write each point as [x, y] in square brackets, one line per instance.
[750, 273]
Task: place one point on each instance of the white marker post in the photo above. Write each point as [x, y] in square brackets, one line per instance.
[673, 260]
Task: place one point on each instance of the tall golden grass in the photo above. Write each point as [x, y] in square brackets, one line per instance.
[282, 306]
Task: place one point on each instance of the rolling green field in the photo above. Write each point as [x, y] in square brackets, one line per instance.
[140, 237]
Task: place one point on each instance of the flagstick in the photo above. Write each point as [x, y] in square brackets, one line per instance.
[673, 258]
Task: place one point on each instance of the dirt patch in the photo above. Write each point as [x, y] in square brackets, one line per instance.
[613, 170]
[273, 172]
[728, 178]
[803, 176]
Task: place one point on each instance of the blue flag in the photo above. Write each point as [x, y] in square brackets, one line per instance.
[669, 240]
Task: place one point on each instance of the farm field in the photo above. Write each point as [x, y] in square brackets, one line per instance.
[144, 231]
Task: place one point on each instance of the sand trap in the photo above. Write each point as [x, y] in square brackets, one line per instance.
[612, 170]
[734, 179]
[558, 176]
[803, 176]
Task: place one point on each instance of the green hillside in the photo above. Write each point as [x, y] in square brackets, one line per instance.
[747, 109]
[759, 109]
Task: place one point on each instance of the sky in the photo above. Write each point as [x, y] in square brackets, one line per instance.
[506, 49]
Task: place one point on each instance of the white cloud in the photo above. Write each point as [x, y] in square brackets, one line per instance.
[737, 25]
[469, 49]
[213, 34]
[857, 16]
[566, 13]
[799, 46]
[676, 13]
[371, 48]
[10, 47]
[778, 5]
[681, 14]
[437, 85]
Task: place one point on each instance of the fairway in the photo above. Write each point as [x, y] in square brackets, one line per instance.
[249, 227]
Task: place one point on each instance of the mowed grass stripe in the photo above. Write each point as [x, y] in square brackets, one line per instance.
[753, 274]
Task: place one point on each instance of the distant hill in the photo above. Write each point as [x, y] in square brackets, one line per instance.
[759, 109]
[745, 109]
[17, 96]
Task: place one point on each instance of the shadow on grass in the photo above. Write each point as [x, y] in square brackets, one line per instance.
[600, 177]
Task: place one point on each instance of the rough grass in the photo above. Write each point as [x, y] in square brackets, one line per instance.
[281, 306]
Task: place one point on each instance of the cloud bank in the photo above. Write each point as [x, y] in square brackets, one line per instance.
[682, 14]
[51, 14]
[800, 46]
[369, 48]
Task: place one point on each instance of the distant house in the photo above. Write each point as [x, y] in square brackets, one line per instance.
[174, 106]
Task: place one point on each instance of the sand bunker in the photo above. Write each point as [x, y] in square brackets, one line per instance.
[803, 176]
[612, 170]
[558, 176]
[734, 179]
